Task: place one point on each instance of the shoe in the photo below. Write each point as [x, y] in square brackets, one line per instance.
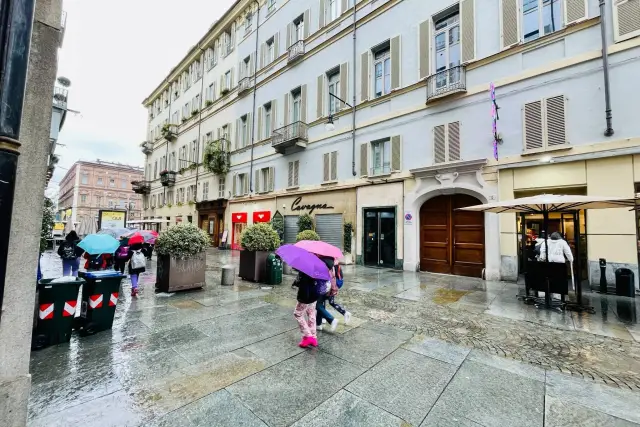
[134, 292]
[324, 320]
[334, 325]
[313, 341]
[319, 327]
[305, 342]
[347, 318]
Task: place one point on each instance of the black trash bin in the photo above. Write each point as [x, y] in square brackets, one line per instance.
[55, 311]
[625, 283]
[99, 300]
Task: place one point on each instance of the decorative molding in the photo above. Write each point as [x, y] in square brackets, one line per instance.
[444, 169]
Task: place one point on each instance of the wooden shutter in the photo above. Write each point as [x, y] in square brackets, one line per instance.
[256, 182]
[260, 114]
[321, 14]
[345, 6]
[296, 172]
[344, 83]
[574, 11]
[424, 43]
[232, 84]
[320, 96]
[272, 178]
[509, 23]
[555, 121]
[289, 30]
[274, 111]
[334, 166]
[241, 68]
[364, 159]
[303, 103]
[290, 177]
[307, 23]
[453, 141]
[221, 84]
[364, 76]
[262, 62]
[396, 69]
[468, 30]
[326, 165]
[238, 140]
[626, 19]
[396, 153]
[246, 184]
[230, 136]
[533, 138]
[252, 62]
[439, 145]
[286, 108]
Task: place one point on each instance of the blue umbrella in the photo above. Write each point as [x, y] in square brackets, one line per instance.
[304, 261]
[96, 244]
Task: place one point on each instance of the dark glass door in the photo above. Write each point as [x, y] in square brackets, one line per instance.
[380, 237]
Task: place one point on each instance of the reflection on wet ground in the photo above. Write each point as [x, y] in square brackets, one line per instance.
[422, 350]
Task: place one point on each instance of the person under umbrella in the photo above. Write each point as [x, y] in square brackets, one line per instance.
[137, 261]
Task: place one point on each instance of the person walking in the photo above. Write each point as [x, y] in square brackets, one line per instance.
[322, 314]
[70, 253]
[137, 258]
[336, 283]
[558, 249]
[120, 258]
[305, 311]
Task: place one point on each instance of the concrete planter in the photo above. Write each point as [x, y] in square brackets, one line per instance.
[253, 265]
[174, 274]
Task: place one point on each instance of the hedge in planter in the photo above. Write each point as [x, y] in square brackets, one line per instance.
[181, 258]
[258, 240]
[307, 235]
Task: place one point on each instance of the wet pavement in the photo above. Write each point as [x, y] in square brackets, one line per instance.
[421, 350]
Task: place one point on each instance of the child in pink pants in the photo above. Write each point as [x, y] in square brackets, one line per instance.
[305, 311]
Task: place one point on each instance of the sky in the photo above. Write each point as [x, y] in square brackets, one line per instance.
[115, 53]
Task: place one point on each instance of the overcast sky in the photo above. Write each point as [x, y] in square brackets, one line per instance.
[115, 53]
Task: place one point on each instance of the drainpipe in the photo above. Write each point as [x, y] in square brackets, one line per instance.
[353, 124]
[605, 69]
[195, 196]
[166, 156]
[255, 82]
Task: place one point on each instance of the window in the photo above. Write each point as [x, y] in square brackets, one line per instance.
[112, 182]
[84, 178]
[221, 187]
[153, 205]
[100, 181]
[247, 23]
[205, 191]
[298, 33]
[225, 132]
[382, 71]
[540, 17]
[122, 204]
[263, 184]
[83, 199]
[330, 167]
[271, 5]
[132, 204]
[446, 143]
[294, 173]
[241, 185]
[447, 50]
[227, 41]
[270, 54]
[227, 80]
[267, 121]
[194, 151]
[196, 103]
[175, 119]
[544, 123]
[210, 94]
[334, 88]
[123, 183]
[381, 157]
[98, 201]
[244, 131]
[296, 106]
[334, 9]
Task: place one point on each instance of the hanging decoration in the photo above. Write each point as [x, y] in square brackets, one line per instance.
[495, 117]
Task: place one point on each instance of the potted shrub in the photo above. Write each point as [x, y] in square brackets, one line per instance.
[305, 222]
[258, 240]
[307, 235]
[208, 103]
[181, 258]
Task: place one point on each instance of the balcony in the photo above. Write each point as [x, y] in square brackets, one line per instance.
[168, 178]
[147, 147]
[141, 187]
[244, 85]
[291, 138]
[296, 51]
[60, 95]
[447, 82]
[169, 131]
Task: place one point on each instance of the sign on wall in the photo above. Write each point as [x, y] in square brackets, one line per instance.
[408, 218]
[298, 206]
[261, 216]
[239, 217]
[112, 219]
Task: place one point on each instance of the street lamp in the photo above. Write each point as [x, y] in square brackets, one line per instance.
[329, 126]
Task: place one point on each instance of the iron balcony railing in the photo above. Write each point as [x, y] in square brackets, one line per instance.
[447, 82]
[296, 51]
[244, 85]
[293, 132]
[168, 178]
[141, 187]
[60, 95]
[147, 147]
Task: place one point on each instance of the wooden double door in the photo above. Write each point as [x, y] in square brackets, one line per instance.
[451, 241]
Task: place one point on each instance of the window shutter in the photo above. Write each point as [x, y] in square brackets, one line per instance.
[453, 141]
[290, 178]
[307, 23]
[286, 108]
[533, 138]
[288, 41]
[626, 19]
[241, 70]
[344, 83]
[334, 166]
[326, 161]
[248, 139]
[303, 103]
[345, 6]
[395, 63]
[238, 139]
[233, 72]
[364, 159]
[555, 121]
[272, 178]
[276, 45]
[260, 114]
[246, 183]
[439, 145]
[319, 96]
[468, 30]
[396, 159]
[274, 111]
[575, 11]
[321, 14]
[364, 76]
[261, 61]
[235, 185]
[509, 23]
[296, 172]
[256, 182]
[252, 62]
[424, 48]
[221, 84]
[230, 136]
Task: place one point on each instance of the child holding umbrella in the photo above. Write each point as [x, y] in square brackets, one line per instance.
[137, 258]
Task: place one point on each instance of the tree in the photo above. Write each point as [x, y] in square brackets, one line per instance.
[48, 218]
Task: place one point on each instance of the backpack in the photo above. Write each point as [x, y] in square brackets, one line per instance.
[138, 260]
[95, 262]
[339, 276]
[323, 287]
[69, 251]
[122, 252]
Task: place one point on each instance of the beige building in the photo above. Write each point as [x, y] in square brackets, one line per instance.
[89, 187]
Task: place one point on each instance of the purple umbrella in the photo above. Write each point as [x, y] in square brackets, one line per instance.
[304, 261]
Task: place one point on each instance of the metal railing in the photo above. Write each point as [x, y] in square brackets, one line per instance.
[447, 82]
[167, 178]
[60, 95]
[141, 187]
[245, 84]
[294, 131]
[296, 51]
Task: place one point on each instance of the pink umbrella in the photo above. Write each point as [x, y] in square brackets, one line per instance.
[320, 248]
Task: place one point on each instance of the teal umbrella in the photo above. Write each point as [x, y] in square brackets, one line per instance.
[96, 244]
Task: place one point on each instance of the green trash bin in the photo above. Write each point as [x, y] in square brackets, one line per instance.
[56, 305]
[99, 300]
[274, 270]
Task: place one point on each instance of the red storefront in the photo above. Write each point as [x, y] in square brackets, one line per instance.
[239, 221]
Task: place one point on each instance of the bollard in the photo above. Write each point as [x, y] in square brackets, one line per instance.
[228, 275]
[603, 276]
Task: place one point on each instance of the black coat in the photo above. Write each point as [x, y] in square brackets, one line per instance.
[307, 293]
[132, 248]
[79, 251]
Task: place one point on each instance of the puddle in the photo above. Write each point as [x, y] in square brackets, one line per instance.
[447, 296]
[187, 304]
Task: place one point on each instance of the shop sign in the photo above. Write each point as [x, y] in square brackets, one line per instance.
[298, 206]
[261, 216]
[408, 218]
[239, 217]
[112, 219]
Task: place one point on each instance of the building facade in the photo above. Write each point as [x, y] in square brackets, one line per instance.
[381, 113]
[89, 187]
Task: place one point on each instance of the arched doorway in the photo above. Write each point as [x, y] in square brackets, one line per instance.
[451, 241]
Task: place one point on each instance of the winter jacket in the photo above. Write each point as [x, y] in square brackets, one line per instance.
[132, 249]
[306, 289]
[558, 250]
[78, 251]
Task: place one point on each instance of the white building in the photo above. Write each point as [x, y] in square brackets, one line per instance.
[419, 74]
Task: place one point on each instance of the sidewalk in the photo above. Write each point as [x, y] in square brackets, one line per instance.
[421, 350]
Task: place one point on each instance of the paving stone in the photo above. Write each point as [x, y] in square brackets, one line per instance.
[276, 349]
[562, 413]
[438, 349]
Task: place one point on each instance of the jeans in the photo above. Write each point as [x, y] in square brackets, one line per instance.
[322, 312]
[70, 267]
[134, 281]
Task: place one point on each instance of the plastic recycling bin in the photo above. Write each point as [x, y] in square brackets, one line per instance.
[99, 300]
[274, 270]
[55, 310]
[625, 283]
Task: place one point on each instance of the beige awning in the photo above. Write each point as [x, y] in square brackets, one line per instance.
[553, 203]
